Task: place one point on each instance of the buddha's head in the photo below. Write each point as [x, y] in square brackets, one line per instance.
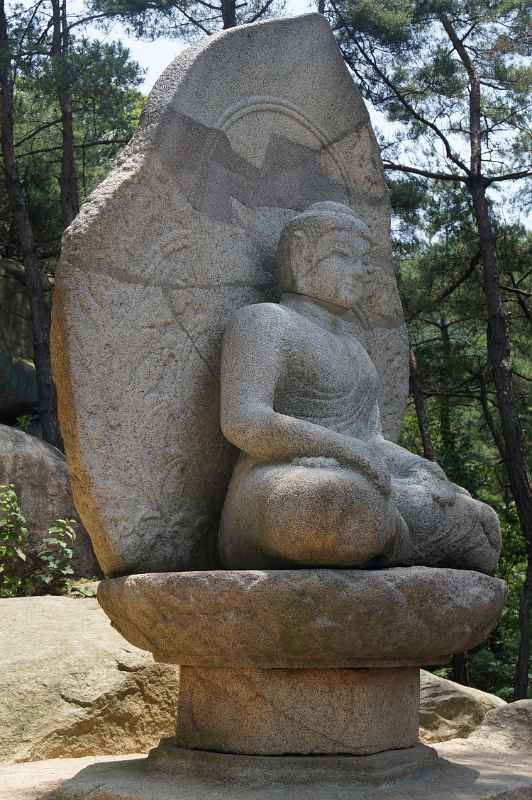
[323, 254]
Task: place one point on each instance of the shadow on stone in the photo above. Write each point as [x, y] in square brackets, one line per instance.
[172, 773]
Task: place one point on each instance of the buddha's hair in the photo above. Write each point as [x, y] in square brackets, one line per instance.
[304, 231]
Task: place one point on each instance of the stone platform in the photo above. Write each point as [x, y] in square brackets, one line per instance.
[459, 773]
[308, 618]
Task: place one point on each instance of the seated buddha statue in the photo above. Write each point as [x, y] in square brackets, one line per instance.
[316, 483]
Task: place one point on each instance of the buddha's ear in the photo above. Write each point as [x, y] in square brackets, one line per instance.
[301, 244]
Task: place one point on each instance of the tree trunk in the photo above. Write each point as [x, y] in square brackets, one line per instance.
[447, 435]
[421, 414]
[499, 349]
[500, 364]
[40, 312]
[68, 179]
[229, 13]
[461, 669]
[525, 624]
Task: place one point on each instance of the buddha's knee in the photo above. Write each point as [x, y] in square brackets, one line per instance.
[464, 534]
[480, 546]
[309, 513]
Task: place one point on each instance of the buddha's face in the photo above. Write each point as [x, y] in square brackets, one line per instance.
[335, 269]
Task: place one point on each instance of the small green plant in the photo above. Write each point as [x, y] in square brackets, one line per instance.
[55, 577]
[24, 422]
[50, 571]
[13, 534]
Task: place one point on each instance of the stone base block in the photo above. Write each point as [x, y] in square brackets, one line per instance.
[303, 711]
[373, 769]
[173, 774]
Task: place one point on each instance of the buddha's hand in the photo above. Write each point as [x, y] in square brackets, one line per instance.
[370, 463]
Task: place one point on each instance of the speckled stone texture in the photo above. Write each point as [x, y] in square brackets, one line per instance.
[466, 774]
[317, 483]
[308, 711]
[304, 618]
[240, 132]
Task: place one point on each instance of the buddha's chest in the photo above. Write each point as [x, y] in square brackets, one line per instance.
[329, 379]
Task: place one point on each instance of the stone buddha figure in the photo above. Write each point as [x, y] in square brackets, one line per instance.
[316, 483]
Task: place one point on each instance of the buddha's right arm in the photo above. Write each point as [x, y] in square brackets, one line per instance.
[252, 359]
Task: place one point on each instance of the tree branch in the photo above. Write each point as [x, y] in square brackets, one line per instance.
[509, 176]
[38, 130]
[515, 290]
[439, 176]
[96, 143]
[260, 12]
[17, 273]
[450, 289]
[402, 99]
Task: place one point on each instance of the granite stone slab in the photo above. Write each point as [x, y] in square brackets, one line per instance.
[240, 132]
[304, 618]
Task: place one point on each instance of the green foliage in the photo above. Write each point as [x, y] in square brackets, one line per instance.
[186, 19]
[50, 571]
[407, 67]
[492, 665]
[442, 292]
[13, 533]
[102, 82]
[56, 557]
[24, 422]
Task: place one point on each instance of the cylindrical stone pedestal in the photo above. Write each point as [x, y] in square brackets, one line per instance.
[304, 711]
[309, 661]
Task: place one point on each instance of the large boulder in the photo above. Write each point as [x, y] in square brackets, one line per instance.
[508, 728]
[40, 476]
[18, 387]
[71, 686]
[449, 710]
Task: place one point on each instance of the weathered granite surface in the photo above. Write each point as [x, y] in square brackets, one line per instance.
[238, 135]
[308, 711]
[304, 618]
[465, 774]
[507, 727]
[449, 710]
[18, 384]
[72, 686]
[40, 476]
[317, 483]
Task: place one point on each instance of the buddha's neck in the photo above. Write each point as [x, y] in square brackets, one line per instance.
[326, 314]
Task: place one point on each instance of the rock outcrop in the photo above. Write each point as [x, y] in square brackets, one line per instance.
[70, 686]
[40, 476]
[449, 710]
[18, 386]
[508, 728]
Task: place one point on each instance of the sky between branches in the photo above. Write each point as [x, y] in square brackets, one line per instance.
[154, 57]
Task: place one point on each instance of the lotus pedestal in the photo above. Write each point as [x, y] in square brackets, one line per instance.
[307, 662]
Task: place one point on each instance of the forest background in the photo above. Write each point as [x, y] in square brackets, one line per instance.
[448, 82]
